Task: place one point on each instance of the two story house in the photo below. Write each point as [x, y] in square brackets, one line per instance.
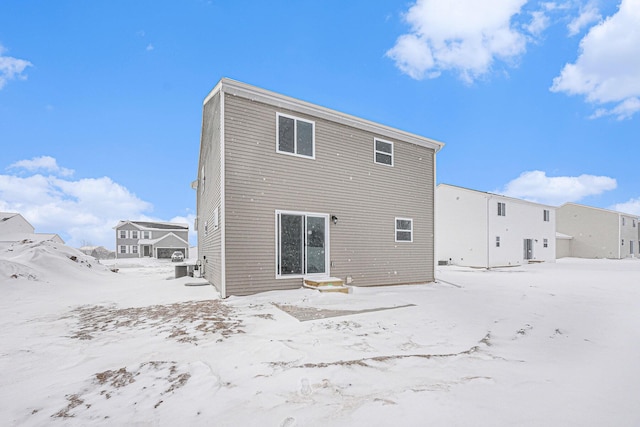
[288, 190]
[136, 239]
[15, 228]
[598, 233]
[480, 229]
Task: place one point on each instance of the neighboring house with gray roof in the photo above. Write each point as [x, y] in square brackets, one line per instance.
[137, 239]
[288, 190]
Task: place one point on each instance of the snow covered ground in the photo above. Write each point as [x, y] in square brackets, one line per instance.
[538, 345]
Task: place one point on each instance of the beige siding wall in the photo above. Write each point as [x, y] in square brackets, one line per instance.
[595, 232]
[209, 194]
[343, 180]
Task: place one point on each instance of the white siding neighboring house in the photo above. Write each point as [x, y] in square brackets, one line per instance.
[288, 190]
[479, 229]
[598, 233]
[15, 228]
[137, 239]
[14, 223]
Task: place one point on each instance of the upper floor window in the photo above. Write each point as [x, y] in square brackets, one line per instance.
[295, 136]
[146, 234]
[545, 243]
[623, 221]
[502, 209]
[545, 215]
[383, 152]
[134, 234]
[122, 234]
[634, 222]
[404, 230]
[497, 241]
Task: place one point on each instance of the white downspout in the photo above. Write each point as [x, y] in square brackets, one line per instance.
[488, 231]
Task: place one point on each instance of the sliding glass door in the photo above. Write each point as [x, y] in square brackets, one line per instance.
[301, 244]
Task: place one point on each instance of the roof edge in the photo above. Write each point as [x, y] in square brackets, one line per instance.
[255, 93]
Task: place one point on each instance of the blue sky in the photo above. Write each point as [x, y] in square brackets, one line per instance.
[101, 101]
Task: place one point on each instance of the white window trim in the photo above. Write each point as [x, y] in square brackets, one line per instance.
[395, 223]
[375, 151]
[134, 231]
[546, 215]
[126, 234]
[120, 247]
[216, 218]
[134, 249]
[295, 137]
[327, 258]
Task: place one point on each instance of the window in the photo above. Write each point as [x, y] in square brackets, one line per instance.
[134, 234]
[545, 215]
[383, 152]
[295, 136]
[502, 209]
[215, 218]
[545, 243]
[622, 242]
[301, 244]
[206, 228]
[634, 223]
[404, 230]
[134, 249]
[497, 241]
[146, 234]
[203, 179]
[123, 249]
[123, 234]
[623, 221]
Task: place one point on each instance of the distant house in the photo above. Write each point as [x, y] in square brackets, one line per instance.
[598, 233]
[98, 252]
[14, 223]
[288, 190]
[15, 228]
[479, 229]
[136, 239]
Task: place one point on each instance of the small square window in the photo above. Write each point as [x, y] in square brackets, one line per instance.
[295, 136]
[545, 243]
[497, 241]
[404, 230]
[383, 152]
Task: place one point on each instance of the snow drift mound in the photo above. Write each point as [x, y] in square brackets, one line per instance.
[44, 260]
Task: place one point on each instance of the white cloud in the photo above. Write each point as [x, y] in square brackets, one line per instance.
[588, 15]
[82, 210]
[149, 47]
[539, 23]
[632, 206]
[536, 186]
[607, 70]
[42, 163]
[11, 68]
[466, 36]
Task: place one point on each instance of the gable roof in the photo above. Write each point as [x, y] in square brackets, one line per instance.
[148, 225]
[4, 216]
[159, 239]
[264, 96]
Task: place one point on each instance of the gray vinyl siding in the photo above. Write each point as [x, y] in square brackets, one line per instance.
[209, 246]
[127, 242]
[343, 180]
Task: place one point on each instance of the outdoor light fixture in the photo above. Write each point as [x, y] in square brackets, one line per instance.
[334, 219]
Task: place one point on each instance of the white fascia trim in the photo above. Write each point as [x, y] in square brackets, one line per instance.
[254, 93]
[222, 217]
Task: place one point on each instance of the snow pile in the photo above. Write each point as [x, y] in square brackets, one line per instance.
[44, 261]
